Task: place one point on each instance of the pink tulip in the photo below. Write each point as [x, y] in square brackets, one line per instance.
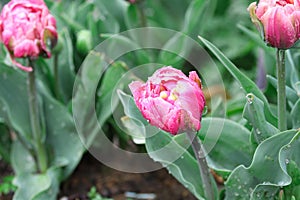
[170, 100]
[279, 20]
[27, 29]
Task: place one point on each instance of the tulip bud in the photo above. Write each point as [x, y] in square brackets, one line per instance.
[84, 41]
[170, 100]
[27, 29]
[278, 21]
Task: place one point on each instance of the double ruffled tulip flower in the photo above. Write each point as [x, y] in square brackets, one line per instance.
[278, 20]
[27, 29]
[170, 100]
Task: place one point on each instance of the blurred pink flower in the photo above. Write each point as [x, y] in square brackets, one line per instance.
[170, 100]
[27, 29]
[278, 20]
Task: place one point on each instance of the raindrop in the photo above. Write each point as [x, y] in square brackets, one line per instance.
[258, 195]
[239, 187]
[51, 106]
[205, 110]
[258, 132]
[181, 157]
[250, 98]
[287, 161]
[236, 194]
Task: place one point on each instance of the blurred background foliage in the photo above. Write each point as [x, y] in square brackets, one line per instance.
[83, 24]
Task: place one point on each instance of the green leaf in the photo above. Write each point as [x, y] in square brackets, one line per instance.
[14, 110]
[83, 102]
[290, 161]
[194, 16]
[295, 115]
[130, 108]
[38, 186]
[248, 85]
[257, 39]
[5, 142]
[180, 44]
[132, 17]
[179, 162]
[106, 104]
[22, 160]
[227, 144]
[62, 138]
[253, 112]
[291, 95]
[294, 77]
[268, 168]
[66, 68]
[30, 185]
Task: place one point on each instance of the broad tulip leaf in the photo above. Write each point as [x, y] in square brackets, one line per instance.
[267, 170]
[62, 138]
[83, 103]
[5, 143]
[22, 160]
[253, 112]
[291, 94]
[30, 185]
[106, 103]
[38, 186]
[294, 77]
[253, 35]
[66, 68]
[295, 115]
[14, 101]
[178, 160]
[133, 17]
[181, 44]
[227, 144]
[248, 85]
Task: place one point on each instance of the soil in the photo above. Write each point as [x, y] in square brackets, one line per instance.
[112, 183]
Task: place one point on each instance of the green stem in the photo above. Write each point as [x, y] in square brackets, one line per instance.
[203, 167]
[141, 9]
[35, 121]
[281, 94]
[56, 87]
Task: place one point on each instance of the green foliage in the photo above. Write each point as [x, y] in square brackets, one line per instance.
[94, 195]
[6, 186]
[79, 85]
[268, 170]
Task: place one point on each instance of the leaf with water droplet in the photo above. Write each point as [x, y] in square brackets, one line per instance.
[254, 113]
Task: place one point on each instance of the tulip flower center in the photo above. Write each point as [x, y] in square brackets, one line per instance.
[284, 2]
[171, 97]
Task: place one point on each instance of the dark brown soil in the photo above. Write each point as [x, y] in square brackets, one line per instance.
[114, 184]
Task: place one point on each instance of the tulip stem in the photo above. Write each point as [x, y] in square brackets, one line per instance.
[40, 149]
[203, 167]
[141, 10]
[281, 94]
[56, 86]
